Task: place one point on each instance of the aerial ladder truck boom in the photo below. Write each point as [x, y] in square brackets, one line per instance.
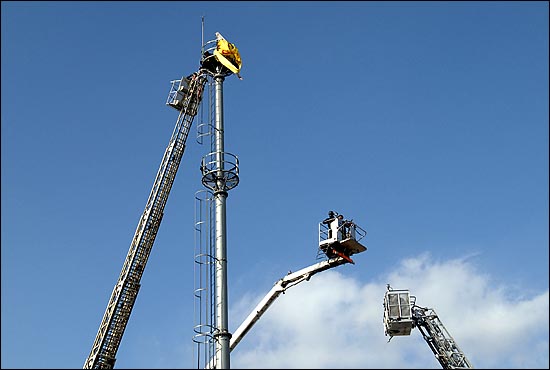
[184, 96]
[401, 315]
[338, 240]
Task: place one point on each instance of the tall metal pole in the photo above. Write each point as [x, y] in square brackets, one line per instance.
[222, 335]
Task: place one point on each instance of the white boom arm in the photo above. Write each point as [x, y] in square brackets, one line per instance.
[338, 247]
[279, 287]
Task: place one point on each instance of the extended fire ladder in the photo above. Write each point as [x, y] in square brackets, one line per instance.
[401, 315]
[439, 340]
[184, 96]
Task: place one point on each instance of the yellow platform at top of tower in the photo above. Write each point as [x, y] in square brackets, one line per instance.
[227, 54]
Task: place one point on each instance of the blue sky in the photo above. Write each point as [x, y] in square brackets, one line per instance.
[425, 122]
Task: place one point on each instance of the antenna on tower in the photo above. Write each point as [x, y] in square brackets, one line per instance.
[202, 36]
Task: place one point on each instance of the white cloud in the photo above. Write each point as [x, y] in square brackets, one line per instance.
[334, 321]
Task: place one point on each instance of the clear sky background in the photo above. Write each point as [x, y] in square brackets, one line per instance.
[425, 122]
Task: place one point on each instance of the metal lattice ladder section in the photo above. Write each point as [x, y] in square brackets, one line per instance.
[119, 308]
[204, 293]
[204, 278]
[439, 340]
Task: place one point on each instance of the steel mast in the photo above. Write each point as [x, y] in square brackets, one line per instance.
[219, 175]
[220, 196]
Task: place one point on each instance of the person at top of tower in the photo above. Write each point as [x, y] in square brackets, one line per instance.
[209, 62]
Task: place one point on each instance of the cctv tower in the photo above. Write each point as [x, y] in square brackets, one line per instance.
[220, 173]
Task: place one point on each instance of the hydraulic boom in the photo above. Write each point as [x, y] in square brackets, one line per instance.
[186, 99]
[279, 287]
[338, 240]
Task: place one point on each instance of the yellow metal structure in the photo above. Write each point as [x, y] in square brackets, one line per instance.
[227, 54]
